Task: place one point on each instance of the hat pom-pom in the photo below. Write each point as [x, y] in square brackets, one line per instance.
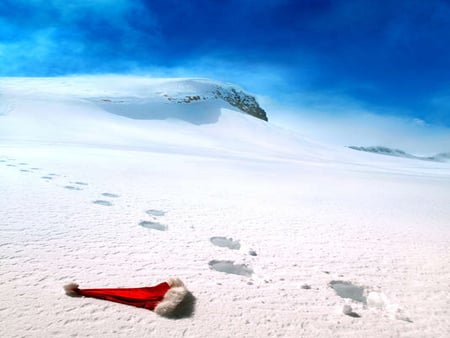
[72, 290]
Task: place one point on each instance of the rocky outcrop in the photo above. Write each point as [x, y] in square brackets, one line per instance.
[242, 101]
[201, 90]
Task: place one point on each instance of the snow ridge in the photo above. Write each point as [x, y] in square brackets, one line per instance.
[143, 97]
[441, 157]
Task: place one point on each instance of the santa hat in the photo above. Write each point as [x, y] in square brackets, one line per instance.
[162, 298]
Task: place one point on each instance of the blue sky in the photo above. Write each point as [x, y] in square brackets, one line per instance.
[386, 57]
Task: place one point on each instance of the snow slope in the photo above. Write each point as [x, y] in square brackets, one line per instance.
[105, 183]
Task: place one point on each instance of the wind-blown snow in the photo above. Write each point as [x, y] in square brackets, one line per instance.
[167, 194]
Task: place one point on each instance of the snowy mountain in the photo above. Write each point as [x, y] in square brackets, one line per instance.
[185, 115]
[194, 100]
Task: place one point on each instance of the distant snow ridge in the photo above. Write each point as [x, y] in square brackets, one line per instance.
[383, 151]
[441, 157]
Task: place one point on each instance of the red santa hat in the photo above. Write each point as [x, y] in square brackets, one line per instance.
[162, 298]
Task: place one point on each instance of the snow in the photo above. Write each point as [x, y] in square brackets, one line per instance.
[106, 200]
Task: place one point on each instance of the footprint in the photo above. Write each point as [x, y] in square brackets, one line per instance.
[348, 290]
[24, 170]
[81, 183]
[47, 177]
[69, 187]
[52, 174]
[153, 225]
[102, 202]
[225, 243]
[35, 168]
[23, 163]
[154, 212]
[107, 194]
[10, 165]
[230, 267]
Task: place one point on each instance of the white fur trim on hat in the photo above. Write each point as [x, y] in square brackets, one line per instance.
[172, 298]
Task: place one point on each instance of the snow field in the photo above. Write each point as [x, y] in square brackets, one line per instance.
[317, 233]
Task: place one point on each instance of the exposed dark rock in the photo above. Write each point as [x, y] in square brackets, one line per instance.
[242, 101]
